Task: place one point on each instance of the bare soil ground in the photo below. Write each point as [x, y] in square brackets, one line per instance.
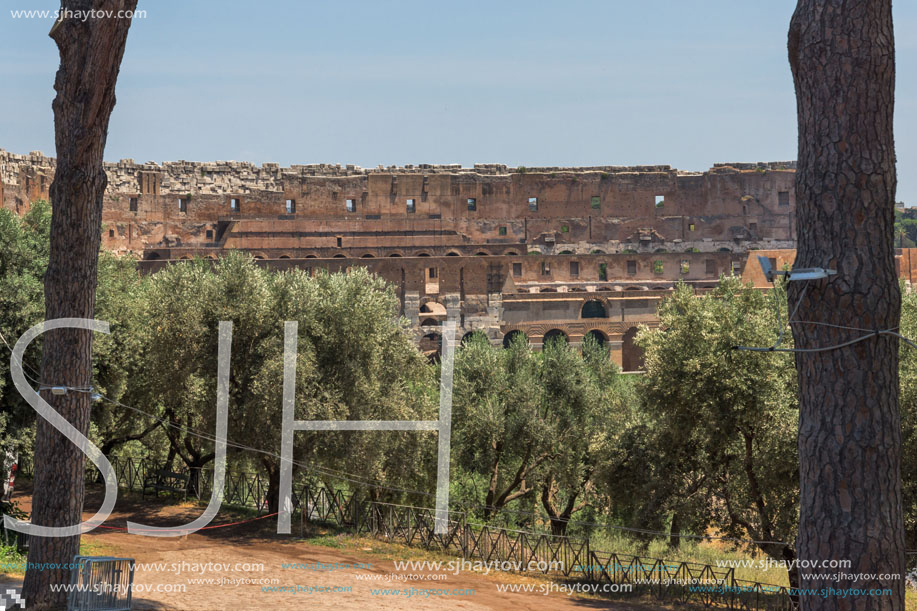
[257, 543]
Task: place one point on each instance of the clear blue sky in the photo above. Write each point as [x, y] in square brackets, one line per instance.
[580, 82]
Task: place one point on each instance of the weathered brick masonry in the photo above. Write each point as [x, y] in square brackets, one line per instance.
[542, 251]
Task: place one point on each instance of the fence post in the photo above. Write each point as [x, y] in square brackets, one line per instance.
[589, 566]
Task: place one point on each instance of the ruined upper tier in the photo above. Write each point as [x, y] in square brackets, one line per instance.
[179, 209]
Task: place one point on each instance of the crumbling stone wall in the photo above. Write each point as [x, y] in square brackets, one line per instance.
[319, 209]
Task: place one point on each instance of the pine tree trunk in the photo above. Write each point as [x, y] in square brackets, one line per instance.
[90, 52]
[842, 56]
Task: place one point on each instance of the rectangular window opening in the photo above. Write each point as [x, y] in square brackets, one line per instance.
[574, 268]
[235, 204]
[710, 267]
[291, 206]
[134, 204]
[660, 201]
[545, 268]
[411, 206]
[432, 271]
[691, 227]
[603, 271]
[472, 204]
[111, 233]
[517, 269]
[209, 234]
[501, 230]
[596, 202]
[533, 204]
[351, 205]
[182, 204]
[632, 268]
[783, 198]
[565, 228]
[658, 267]
[685, 267]
[340, 242]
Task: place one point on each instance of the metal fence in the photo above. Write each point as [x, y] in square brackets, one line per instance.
[561, 556]
[683, 582]
[100, 583]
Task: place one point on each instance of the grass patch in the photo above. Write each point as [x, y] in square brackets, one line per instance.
[12, 563]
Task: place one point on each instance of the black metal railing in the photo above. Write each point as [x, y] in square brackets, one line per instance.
[560, 556]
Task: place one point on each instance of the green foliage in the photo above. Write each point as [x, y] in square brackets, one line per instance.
[528, 423]
[720, 422]
[905, 226]
[24, 247]
[355, 360]
[908, 406]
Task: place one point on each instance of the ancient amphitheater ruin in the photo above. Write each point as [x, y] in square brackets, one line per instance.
[546, 252]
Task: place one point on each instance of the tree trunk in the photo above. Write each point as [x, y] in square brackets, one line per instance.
[109, 446]
[842, 56]
[90, 53]
[675, 531]
[273, 488]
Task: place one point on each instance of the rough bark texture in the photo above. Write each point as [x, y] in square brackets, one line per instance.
[842, 56]
[90, 52]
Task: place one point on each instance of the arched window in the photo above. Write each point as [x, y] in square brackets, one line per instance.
[510, 337]
[594, 309]
[432, 307]
[472, 334]
[631, 354]
[599, 337]
[431, 345]
[555, 335]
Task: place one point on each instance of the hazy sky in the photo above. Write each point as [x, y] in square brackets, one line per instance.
[680, 82]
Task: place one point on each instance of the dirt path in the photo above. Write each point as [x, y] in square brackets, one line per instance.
[236, 561]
